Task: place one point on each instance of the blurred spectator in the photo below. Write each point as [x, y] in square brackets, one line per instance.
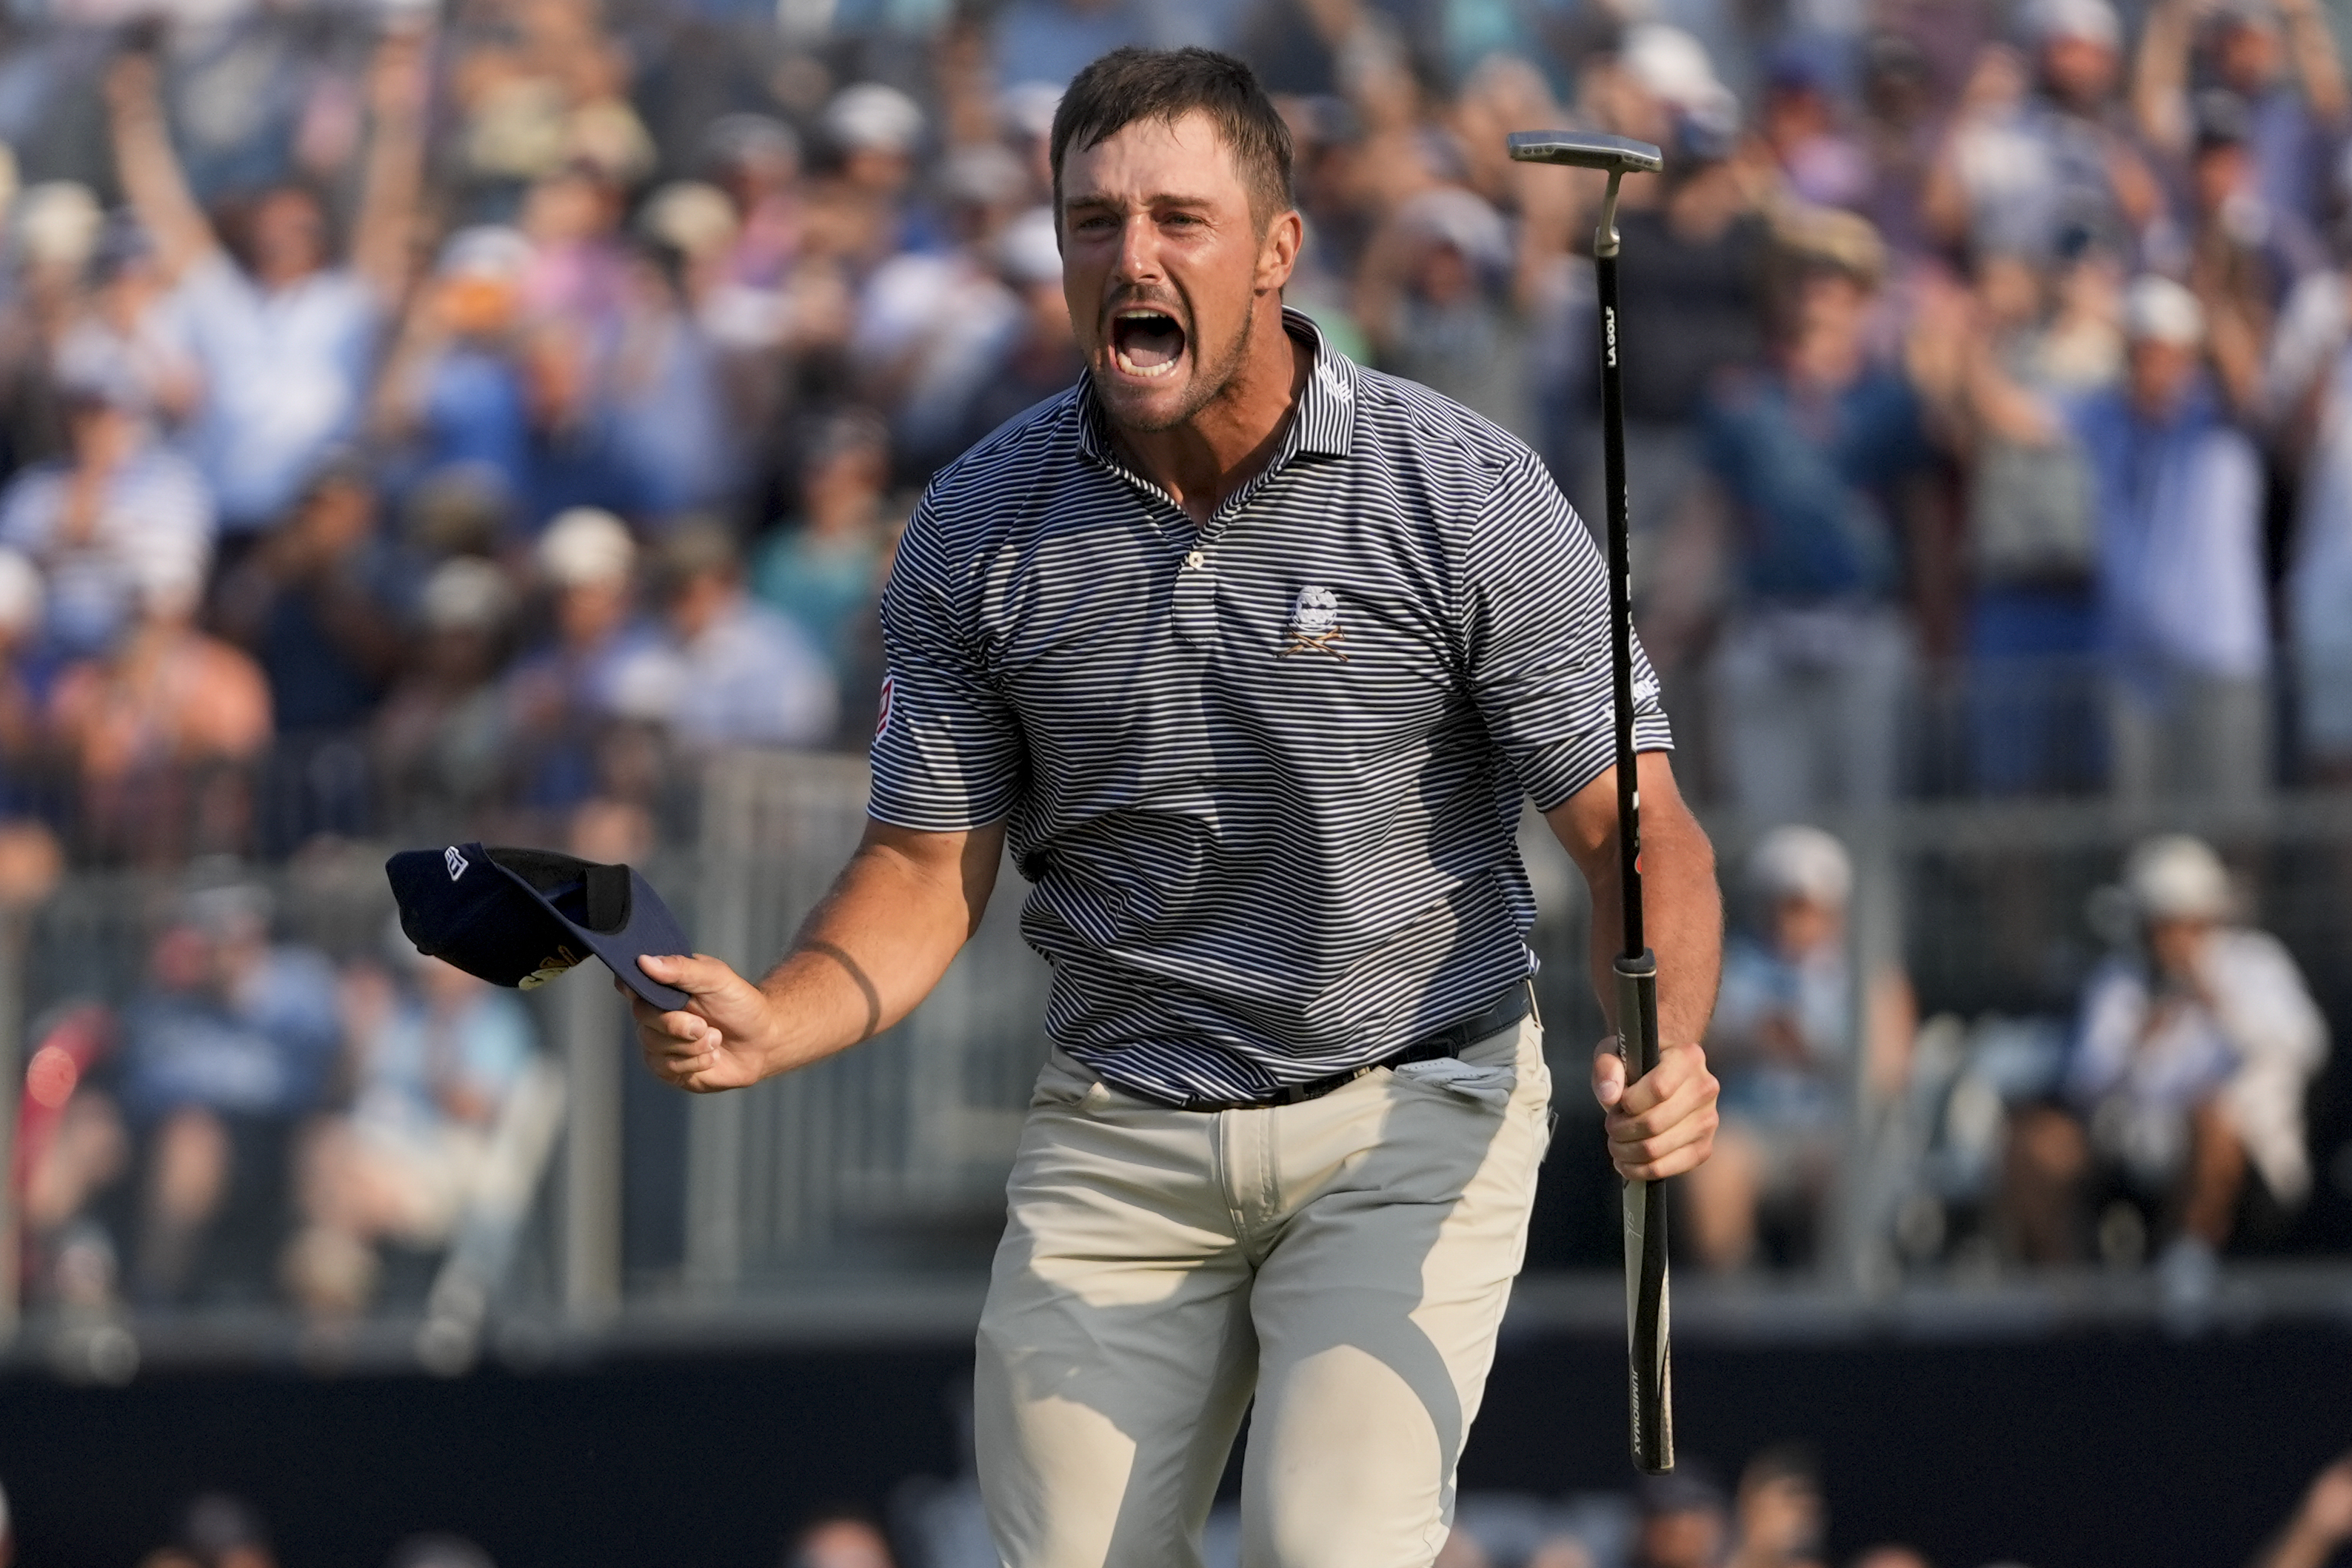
[1684, 1523]
[839, 1541]
[1890, 1557]
[231, 1044]
[2037, 158]
[284, 340]
[161, 728]
[823, 568]
[438, 1551]
[127, 333]
[727, 670]
[117, 507]
[71, 1149]
[316, 604]
[2279, 58]
[442, 738]
[2026, 348]
[23, 678]
[453, 389]
[2184, 610]
[560, 696]
[218, 1531]
[2318, 1529]
[2244, 255]
[1782, 1042]
[1779, 1518]
[1800, 122]
[55, 231]
[2307, 394]
[1692, 309]
[1816, 455]
[1437, 300]
[433, 1064]
[2194, 1046]
[1037, 355]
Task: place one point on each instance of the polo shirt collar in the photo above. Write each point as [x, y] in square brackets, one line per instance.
[1323, 424]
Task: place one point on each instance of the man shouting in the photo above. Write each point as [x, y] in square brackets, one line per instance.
[1252, 654]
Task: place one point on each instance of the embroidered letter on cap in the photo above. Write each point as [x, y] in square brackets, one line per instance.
[456, 861]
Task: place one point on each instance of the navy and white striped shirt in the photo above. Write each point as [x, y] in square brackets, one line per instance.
[1266, 774]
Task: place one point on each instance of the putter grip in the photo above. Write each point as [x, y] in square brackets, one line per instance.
[1648, 1360]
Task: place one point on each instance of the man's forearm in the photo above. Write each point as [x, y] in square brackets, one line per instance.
[1682, 915]
[876, 945]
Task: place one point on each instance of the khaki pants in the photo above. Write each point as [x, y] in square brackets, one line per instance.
[1345, 1261]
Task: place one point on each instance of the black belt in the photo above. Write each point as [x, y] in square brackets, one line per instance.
[1452, 1040]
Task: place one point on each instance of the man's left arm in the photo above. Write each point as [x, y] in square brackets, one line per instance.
[1664, 1124]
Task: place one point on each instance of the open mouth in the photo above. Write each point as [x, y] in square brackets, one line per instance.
[1146, 342]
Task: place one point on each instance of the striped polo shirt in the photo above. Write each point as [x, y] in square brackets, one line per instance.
[1266, 773]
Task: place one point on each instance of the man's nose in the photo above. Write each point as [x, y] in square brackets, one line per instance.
[1139, 250]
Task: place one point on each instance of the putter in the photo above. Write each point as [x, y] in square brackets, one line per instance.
[1650, 1357]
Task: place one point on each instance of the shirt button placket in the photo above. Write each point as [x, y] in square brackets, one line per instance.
[1196, 597]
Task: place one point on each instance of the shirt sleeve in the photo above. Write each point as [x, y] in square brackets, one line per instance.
[1536, 642]
[947, 751]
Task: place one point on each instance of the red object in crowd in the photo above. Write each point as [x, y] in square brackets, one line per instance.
[76, 1041]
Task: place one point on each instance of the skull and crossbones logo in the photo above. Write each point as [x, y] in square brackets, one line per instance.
[1315, 624]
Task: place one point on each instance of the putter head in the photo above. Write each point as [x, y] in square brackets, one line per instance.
[1587, 150]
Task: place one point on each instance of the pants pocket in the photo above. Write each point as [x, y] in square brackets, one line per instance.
[1485, 1084]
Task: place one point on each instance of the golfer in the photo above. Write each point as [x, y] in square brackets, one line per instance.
[1252, 655]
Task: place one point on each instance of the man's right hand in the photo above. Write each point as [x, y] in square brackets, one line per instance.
[719, 1039]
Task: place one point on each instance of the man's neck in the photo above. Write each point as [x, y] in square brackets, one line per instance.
[1236, 434]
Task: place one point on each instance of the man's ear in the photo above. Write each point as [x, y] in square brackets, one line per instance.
[1277, 253]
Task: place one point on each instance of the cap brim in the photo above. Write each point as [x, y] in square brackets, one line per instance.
[651, 930]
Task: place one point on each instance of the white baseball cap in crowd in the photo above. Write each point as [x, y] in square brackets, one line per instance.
[1028, 250]
[2175, 877]
[584, 546]
[2158, 310]
[870, 117]
[1026, 108]
[1800, 862]
[56, 221]
[692, 217]
[1674, 65]
[2088, 21]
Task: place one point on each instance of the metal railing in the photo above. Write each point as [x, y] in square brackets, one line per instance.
[878, 1175]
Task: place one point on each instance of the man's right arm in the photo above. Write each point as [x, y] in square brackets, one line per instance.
[896, 917]
[150, 169]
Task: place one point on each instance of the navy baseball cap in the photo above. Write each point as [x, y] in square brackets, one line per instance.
[520, 917]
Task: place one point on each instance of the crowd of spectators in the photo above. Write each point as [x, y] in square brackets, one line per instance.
[394, 411]
[447, 426]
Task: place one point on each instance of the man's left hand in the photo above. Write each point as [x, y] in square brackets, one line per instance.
[1664, 1125]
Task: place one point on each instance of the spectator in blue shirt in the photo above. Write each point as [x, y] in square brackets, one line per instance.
[1813, 454]
[2183, 607]
[230, 1046]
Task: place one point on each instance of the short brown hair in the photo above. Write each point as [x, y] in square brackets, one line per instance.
[1134, 84]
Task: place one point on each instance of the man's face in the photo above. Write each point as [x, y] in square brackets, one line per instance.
[2219, 172]
[1690, 1538]
[2247, 56]
[1163, 266]
[2079, 71]
[289, 235]
[2160, 374]
[2178, 946]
